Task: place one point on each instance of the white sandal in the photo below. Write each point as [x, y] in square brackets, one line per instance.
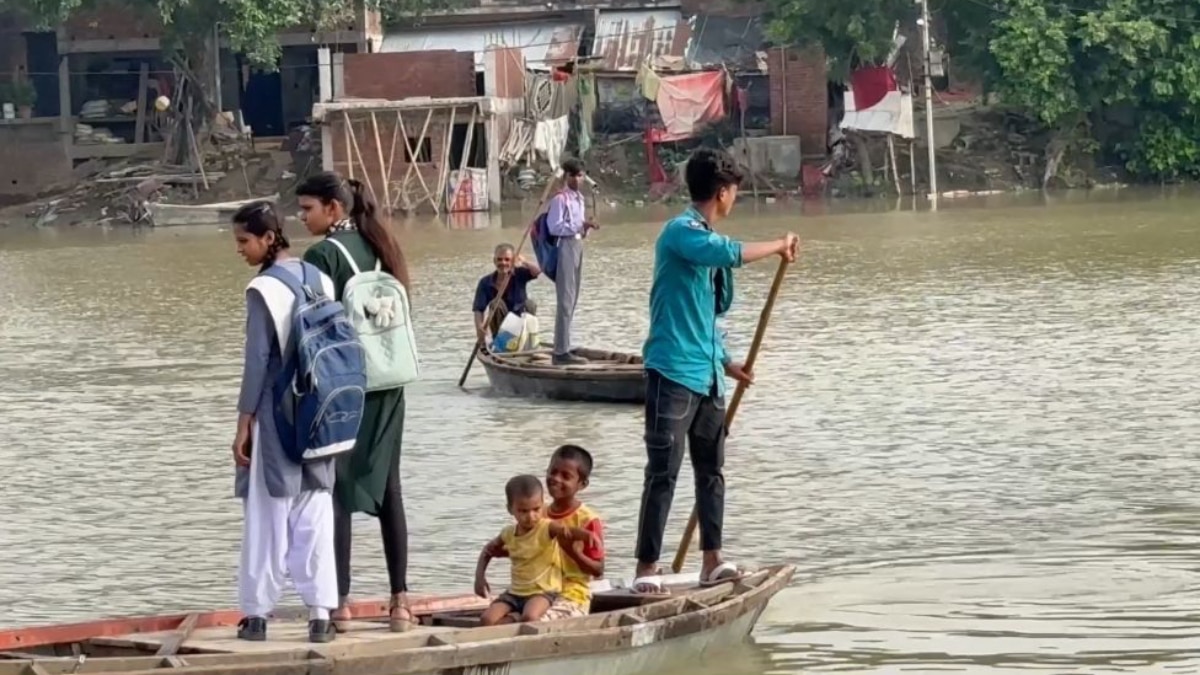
[651, 584]
[726, 572]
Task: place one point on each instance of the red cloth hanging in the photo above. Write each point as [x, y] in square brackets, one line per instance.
[870, 85]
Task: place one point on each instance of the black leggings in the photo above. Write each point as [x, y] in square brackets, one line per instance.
[394, 527]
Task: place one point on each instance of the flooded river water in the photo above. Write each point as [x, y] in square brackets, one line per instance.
[972, 431]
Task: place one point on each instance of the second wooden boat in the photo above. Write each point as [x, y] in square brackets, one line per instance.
[627, 634]
[607, 377]
[217, 213]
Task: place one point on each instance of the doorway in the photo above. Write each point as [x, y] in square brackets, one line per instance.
[262, 103]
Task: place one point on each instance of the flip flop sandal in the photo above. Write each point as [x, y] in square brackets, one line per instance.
[651, 584]
[722, 574]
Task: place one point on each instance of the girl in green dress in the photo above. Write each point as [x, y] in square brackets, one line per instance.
[368, 478]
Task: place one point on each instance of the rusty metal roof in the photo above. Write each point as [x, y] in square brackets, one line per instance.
[544, 44]
[728, 41]
[626, 39]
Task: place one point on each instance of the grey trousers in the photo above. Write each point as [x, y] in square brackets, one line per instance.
[566, 291]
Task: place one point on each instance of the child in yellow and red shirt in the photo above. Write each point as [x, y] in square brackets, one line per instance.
[534, 544]
[582, 560]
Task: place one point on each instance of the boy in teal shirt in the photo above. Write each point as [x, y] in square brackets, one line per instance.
[686, 361]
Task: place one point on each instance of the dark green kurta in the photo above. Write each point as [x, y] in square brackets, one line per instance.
[362, 474]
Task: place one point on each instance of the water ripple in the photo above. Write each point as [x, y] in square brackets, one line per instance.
[971, 431]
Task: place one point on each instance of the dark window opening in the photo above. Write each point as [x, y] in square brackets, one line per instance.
[424, 151]
[477, 159]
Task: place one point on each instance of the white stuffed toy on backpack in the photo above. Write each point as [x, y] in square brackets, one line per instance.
[377, 304]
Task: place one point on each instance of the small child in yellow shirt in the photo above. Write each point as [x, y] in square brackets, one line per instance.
[532, 545]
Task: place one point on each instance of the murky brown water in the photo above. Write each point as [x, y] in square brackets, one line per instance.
[973, 430]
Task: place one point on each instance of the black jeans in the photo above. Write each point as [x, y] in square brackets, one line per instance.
[675, 413]
[394, 526]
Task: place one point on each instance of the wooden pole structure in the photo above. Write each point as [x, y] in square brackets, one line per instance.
[358, 153]
[383, 168]
[933, 188]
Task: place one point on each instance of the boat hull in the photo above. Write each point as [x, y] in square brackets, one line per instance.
[592, 383]
[185, 215]
[651, 659]
[628, 635]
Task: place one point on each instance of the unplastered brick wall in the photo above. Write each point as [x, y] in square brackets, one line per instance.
[509, 72]
[109, 20]
[399, 75]
[800, 97]
[504, 79]
[12, 46]
[33, 161]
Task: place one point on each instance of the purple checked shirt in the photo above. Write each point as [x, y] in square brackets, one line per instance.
[564, 217]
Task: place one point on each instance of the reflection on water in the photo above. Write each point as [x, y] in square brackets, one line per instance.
[971, 430]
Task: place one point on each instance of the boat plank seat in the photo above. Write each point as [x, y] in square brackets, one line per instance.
[688, 616]
[282, 636]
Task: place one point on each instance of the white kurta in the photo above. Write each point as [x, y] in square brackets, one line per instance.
[284, 536]
[287, 536]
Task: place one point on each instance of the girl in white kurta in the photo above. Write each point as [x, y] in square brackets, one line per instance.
[288, 528]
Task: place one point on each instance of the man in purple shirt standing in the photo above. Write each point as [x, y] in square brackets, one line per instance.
[565, 220]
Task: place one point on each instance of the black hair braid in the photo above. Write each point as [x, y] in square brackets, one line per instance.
[278, 244]
[270, 221]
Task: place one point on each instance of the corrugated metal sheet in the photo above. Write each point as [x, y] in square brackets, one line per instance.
[543, 44]
[626, 39]
[728, 41]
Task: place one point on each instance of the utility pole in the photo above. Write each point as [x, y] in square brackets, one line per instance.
[933, 191]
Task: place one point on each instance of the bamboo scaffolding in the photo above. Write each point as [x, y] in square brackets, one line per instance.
[462, 162]
[407, 194]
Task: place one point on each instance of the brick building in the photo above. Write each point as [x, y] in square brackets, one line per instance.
[104, 52]
[416, 127]
[791, 98]
[798, 81]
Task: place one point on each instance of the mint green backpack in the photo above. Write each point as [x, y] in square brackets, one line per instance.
[377, 305]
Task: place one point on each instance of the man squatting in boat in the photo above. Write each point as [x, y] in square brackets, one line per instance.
[516, 300]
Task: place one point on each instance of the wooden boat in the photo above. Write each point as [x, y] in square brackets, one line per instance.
[216, 213]
[626, 634]
[608, 377]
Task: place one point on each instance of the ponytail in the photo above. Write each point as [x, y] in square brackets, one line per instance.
[365, 215]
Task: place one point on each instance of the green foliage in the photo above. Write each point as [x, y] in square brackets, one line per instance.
[22, 93]
[250, 25]
[1164, 148]
[1060, 60]
[853, 32]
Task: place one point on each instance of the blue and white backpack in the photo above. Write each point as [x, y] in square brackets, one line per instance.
[320, 394]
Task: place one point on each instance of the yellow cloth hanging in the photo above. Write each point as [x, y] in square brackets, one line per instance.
[647, 82]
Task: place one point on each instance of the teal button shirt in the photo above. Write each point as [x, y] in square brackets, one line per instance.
[684, 344]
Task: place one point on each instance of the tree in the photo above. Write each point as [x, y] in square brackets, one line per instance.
[251, 27]
[1078, 62]
[852, 33]
[1072, 64]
